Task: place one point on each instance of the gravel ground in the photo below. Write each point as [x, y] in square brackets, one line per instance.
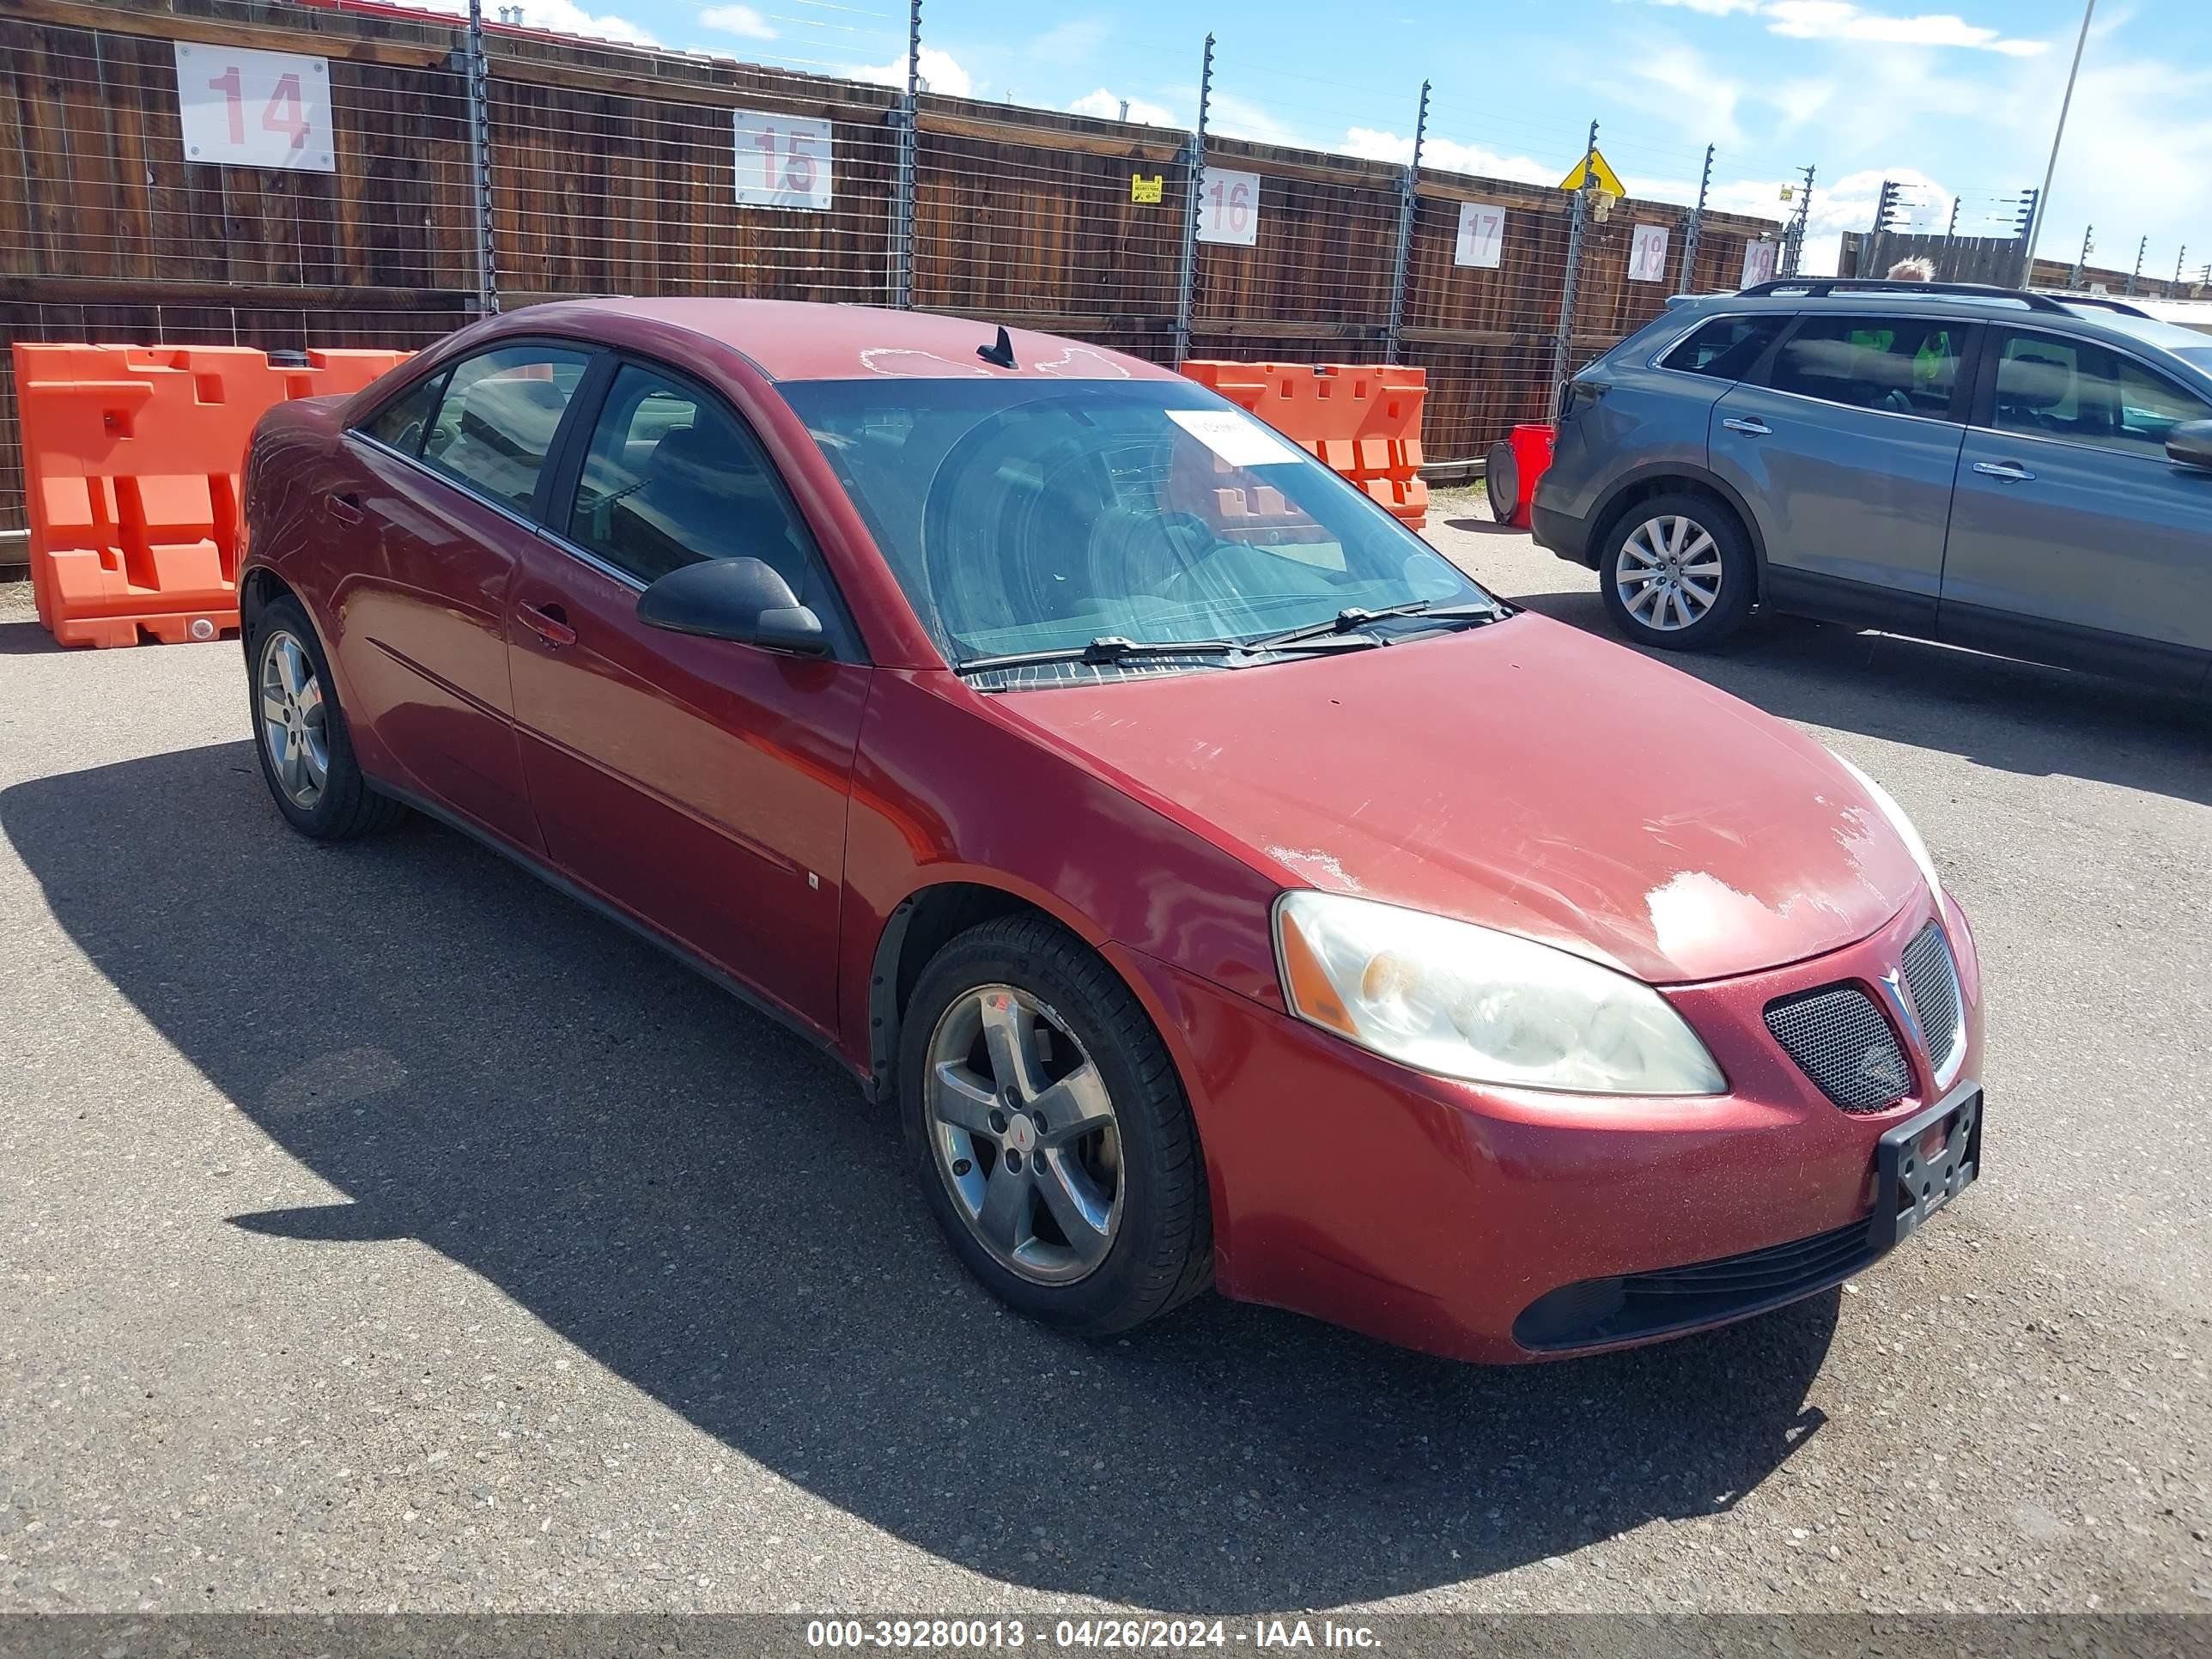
[379, 1231]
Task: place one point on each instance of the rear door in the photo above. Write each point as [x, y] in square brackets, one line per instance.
[2074, 539]
[699, 784]
[1845, 444]
[450, 473]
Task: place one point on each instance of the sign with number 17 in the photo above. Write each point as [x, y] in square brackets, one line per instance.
[244, 108]
[783, 162]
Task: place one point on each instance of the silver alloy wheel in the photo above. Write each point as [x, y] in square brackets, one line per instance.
[1024, 1134]
[295, 719]
[1667, 573]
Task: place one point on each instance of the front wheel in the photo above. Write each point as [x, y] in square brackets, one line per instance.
[1678, 573]
[1049, 1131]
[307, 755]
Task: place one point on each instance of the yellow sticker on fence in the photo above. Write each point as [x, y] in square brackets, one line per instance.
[1146, 190]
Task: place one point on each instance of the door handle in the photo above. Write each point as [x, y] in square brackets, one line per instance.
[345, 507]
[1749, 428]
[2011, 472]
[549, 622]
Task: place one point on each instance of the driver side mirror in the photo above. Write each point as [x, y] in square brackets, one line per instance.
[2190, 444]
[740, 599]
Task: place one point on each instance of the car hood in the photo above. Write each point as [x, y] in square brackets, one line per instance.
[1524, 776]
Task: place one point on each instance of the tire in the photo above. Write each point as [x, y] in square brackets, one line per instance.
[293, 706]
[1693, 546]
[1023, 973]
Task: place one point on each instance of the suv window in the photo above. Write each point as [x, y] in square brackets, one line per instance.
[497, 417]
[1727, 347]
[672, 478]
[1901, 365]
[2087, 393]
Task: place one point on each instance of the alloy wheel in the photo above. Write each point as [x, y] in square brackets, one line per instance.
[1024, 1135]
[295, 719]
[1667, 573]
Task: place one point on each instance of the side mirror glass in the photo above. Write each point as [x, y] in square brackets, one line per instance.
[742, 600]
[2190, 444]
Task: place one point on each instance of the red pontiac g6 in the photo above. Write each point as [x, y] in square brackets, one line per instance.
[1225, 888]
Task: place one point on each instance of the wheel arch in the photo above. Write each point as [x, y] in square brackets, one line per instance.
[1668, 478]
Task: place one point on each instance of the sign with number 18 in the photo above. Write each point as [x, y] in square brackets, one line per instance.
[254, 109]
[783, 162]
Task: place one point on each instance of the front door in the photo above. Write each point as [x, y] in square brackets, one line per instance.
[2074, 538]
[699, 784]
[447, 477]
[1845, 449]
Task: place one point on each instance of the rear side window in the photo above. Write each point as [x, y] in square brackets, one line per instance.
[1899, 365]
[497, 416]
[671, 478]
[1727, 347]
[2087, 393]
[401, 423]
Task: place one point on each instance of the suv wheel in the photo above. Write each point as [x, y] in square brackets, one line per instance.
[1678, 573]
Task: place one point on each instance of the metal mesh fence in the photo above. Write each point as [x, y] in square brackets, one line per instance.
[612, 170]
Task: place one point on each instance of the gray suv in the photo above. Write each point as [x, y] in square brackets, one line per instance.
[2014, 471]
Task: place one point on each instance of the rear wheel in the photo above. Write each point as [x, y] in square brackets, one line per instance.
[1049, 1131]
[306, 758]
[1678, 573]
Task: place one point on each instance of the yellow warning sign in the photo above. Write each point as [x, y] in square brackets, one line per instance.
[1145, 190]
[1597, 165]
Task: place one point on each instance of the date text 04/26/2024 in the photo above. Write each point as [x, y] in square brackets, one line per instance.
[1086, 1634]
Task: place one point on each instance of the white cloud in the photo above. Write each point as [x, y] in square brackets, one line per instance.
[1067, 44]
[1840, 20]
[1449, 156]
[1711, 8]
[742, 21]
[562, 17]
[1232, 117]
[940, 72]
[1696, 84]
[1106, 106]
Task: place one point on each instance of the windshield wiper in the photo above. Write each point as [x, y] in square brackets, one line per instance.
[1103, 652]
[1353, 617]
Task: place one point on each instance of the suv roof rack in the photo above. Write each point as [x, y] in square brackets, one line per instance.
[1819, 288]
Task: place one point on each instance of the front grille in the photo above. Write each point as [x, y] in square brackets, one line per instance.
[1935, 985]
[1598, 1311]
[1840, 1040]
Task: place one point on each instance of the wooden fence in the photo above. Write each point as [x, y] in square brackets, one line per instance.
[614, 170]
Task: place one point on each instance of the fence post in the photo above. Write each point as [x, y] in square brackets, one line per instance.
[1696, 227]
[2177, 259]
[2142, 248]
[1194, 176]
[1405, 205]
[2082, 259]
[479, 119]
[1562, 342]
[908, 117]
[1793, 240]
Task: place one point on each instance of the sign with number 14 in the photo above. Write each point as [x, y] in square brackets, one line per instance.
[783, 162]
[254, 109]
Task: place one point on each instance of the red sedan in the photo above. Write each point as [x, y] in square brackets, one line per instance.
[1223, 887]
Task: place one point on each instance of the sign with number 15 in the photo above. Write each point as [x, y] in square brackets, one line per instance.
[254, 109]
[783, 162]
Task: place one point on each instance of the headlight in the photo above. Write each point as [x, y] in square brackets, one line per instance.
[1899, 823]
[1464, 1001]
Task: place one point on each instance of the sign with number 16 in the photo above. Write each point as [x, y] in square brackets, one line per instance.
[783, 162]
[254, 109]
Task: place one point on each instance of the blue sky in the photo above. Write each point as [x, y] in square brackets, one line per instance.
[1955, 102]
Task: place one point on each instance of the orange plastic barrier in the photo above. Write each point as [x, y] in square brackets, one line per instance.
[1362, 420]
[131, 457]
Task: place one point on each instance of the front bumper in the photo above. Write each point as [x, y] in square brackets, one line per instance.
[1434, 1214]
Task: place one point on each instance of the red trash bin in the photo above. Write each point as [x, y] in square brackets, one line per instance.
[1531, 457]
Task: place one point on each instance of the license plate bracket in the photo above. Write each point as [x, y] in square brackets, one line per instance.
[1910, 1184]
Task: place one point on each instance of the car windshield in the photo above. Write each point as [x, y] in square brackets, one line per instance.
[1027, 515]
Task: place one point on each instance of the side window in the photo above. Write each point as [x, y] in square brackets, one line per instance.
[497, 417]
[401, 423]
[2087, 393]
[671, 478]
[1727, 347]
[1901, 365]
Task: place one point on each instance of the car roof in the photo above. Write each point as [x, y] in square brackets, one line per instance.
[808, 340]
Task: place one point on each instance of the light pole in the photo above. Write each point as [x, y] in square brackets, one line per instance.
[2043, 201]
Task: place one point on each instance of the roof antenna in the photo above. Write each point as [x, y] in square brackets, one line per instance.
[1002, 353]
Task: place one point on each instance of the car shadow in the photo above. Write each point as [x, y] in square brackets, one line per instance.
[705, 1205]
[2016, 716]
